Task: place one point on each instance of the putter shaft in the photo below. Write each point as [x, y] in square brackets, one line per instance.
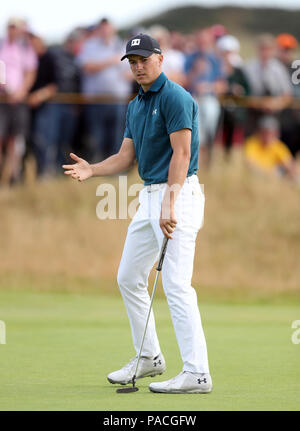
[158, 269]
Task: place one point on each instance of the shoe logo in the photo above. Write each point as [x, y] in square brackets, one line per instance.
[157, 363]
[202, 381]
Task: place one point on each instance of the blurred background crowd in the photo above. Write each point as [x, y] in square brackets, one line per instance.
[73, 96]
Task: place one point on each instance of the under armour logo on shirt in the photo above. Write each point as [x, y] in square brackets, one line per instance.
[135, 42]
[154, 112]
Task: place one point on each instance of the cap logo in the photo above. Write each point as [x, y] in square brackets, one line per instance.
[135, 42]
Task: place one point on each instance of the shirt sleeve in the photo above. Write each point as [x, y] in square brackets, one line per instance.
[127, 132]
[179, 112]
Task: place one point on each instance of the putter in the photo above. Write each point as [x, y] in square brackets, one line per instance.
[158, 269]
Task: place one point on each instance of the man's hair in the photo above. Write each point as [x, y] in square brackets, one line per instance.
[266, 39]
[268, 122]
[104, 21]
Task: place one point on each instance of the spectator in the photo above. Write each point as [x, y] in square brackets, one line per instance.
[286, 47]
[269, 83]
[266, 153]
[189, 46]
[237, 86]
[289, 118]
[20, 74]
[205, 82]
[173, 65]
[218, 31]
[68, 82]
[178, 41]
[43, 137]
[105, 75]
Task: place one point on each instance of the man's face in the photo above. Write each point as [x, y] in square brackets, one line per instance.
[285, 55]
[37, 43]
[266, 51]
[145, 69]
[13, 32]
[204, 39]
[106, 30]
[268, 135]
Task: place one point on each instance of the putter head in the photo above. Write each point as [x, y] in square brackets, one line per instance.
[127, 390]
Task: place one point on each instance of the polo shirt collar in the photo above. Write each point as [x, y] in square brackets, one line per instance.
[155, 87]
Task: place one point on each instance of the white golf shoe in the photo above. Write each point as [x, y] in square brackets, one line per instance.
[185, 383]
[148, 367]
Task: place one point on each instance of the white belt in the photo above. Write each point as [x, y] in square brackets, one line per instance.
[154, 187]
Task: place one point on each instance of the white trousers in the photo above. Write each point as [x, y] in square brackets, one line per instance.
[141, 250]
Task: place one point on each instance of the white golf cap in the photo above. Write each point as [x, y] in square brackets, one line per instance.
[228, 43]
[33, 31]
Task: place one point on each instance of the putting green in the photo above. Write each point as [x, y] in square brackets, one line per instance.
[60, 346]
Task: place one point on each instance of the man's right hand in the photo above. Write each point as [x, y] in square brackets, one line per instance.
[81, 170]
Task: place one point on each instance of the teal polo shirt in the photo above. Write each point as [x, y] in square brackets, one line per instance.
[151, 117]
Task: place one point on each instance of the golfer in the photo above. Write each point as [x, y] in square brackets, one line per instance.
[161, 134]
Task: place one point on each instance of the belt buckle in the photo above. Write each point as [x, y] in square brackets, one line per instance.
[153, 187]
[150, 188]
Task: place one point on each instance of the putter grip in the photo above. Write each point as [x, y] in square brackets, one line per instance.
[162, 253]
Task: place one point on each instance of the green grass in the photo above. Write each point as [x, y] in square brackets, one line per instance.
[60, 347]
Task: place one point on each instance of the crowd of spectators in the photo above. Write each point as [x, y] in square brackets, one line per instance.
[73, 96]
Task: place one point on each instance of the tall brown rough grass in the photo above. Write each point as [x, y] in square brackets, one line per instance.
[250, 242]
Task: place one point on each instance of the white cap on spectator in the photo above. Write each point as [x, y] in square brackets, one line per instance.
[16, 22]
[228, 43]
[33, 30]
[268, 122]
